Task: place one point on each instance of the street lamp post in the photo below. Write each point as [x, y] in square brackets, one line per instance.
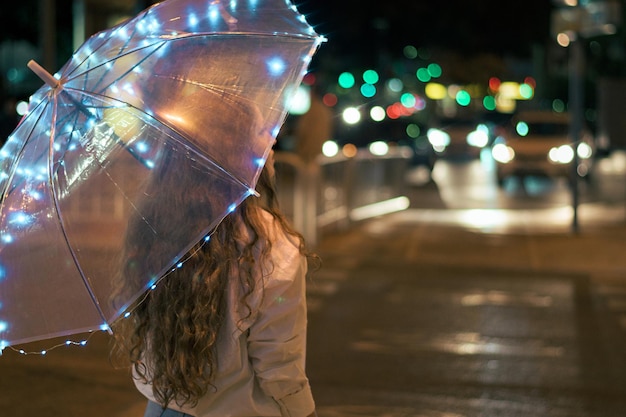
[576, 100]
[572, 22]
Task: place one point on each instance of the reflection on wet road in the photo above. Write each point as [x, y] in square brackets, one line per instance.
[414, 318]
[467, 194]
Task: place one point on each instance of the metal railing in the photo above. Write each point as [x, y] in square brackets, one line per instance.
[331, 193]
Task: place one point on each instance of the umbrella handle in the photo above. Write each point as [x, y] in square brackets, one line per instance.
[43, 74]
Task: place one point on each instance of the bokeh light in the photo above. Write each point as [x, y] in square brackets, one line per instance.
[330, 148]
[521, 128]
[349, 150]
[526, 91]
[368, 90]
[423, 75]
[413, 130]
[531, 82]
[463, 98]
[408, 100]
[351, 115]
[370, 76]
[410, 52]
[494, 84]
[435, 91]
[377, 113]
[346, 80]
[395, 84]
[434, 70]
[21, 107]
[489, 103]
[309, 79]
[558, 105]
[378, 148]
[329, 99]
[300, 100]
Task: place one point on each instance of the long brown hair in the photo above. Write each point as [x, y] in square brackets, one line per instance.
[176, 325]
[170, 336]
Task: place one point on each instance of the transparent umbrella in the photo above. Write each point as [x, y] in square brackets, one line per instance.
[188, 93]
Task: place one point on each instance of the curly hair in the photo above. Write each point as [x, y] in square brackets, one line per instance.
[177, 324]
[170, 339]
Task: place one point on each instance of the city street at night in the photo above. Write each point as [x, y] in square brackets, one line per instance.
[411, 315]
[459, 170]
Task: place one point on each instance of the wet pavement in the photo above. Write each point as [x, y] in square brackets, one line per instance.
[410, 317]
[416, 319]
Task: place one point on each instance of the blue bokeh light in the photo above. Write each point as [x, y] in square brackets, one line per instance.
[213, 14]
[276, 66]
[192, 20]
[20, 218]
[142, 147]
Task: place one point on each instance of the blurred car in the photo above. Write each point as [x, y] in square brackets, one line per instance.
[459, 139]
[538, 143]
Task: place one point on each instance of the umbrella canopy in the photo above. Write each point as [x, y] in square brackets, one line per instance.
[189, 93]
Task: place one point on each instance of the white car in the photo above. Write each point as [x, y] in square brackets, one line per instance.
[539, 143]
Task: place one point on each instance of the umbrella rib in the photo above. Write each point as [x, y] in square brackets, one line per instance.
[178, 134]
[103, 88]
[84, 110]
[130, 69]
[94, 299]
[103, 45]
[175, 135]
[182, 35]
[54, 196]
[164, 41]
[55, 200]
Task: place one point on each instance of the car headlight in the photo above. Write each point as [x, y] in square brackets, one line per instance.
[502, 153]
[478, 138]
[379, 148]
[584, 150]
[563, 154]
[438, 138]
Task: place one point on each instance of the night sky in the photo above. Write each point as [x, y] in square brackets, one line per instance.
[357, 28]
[360, 32]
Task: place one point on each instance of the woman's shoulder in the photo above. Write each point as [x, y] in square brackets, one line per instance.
[277, 233]
[285, 248]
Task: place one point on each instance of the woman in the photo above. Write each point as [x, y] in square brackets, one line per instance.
[224, 334]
